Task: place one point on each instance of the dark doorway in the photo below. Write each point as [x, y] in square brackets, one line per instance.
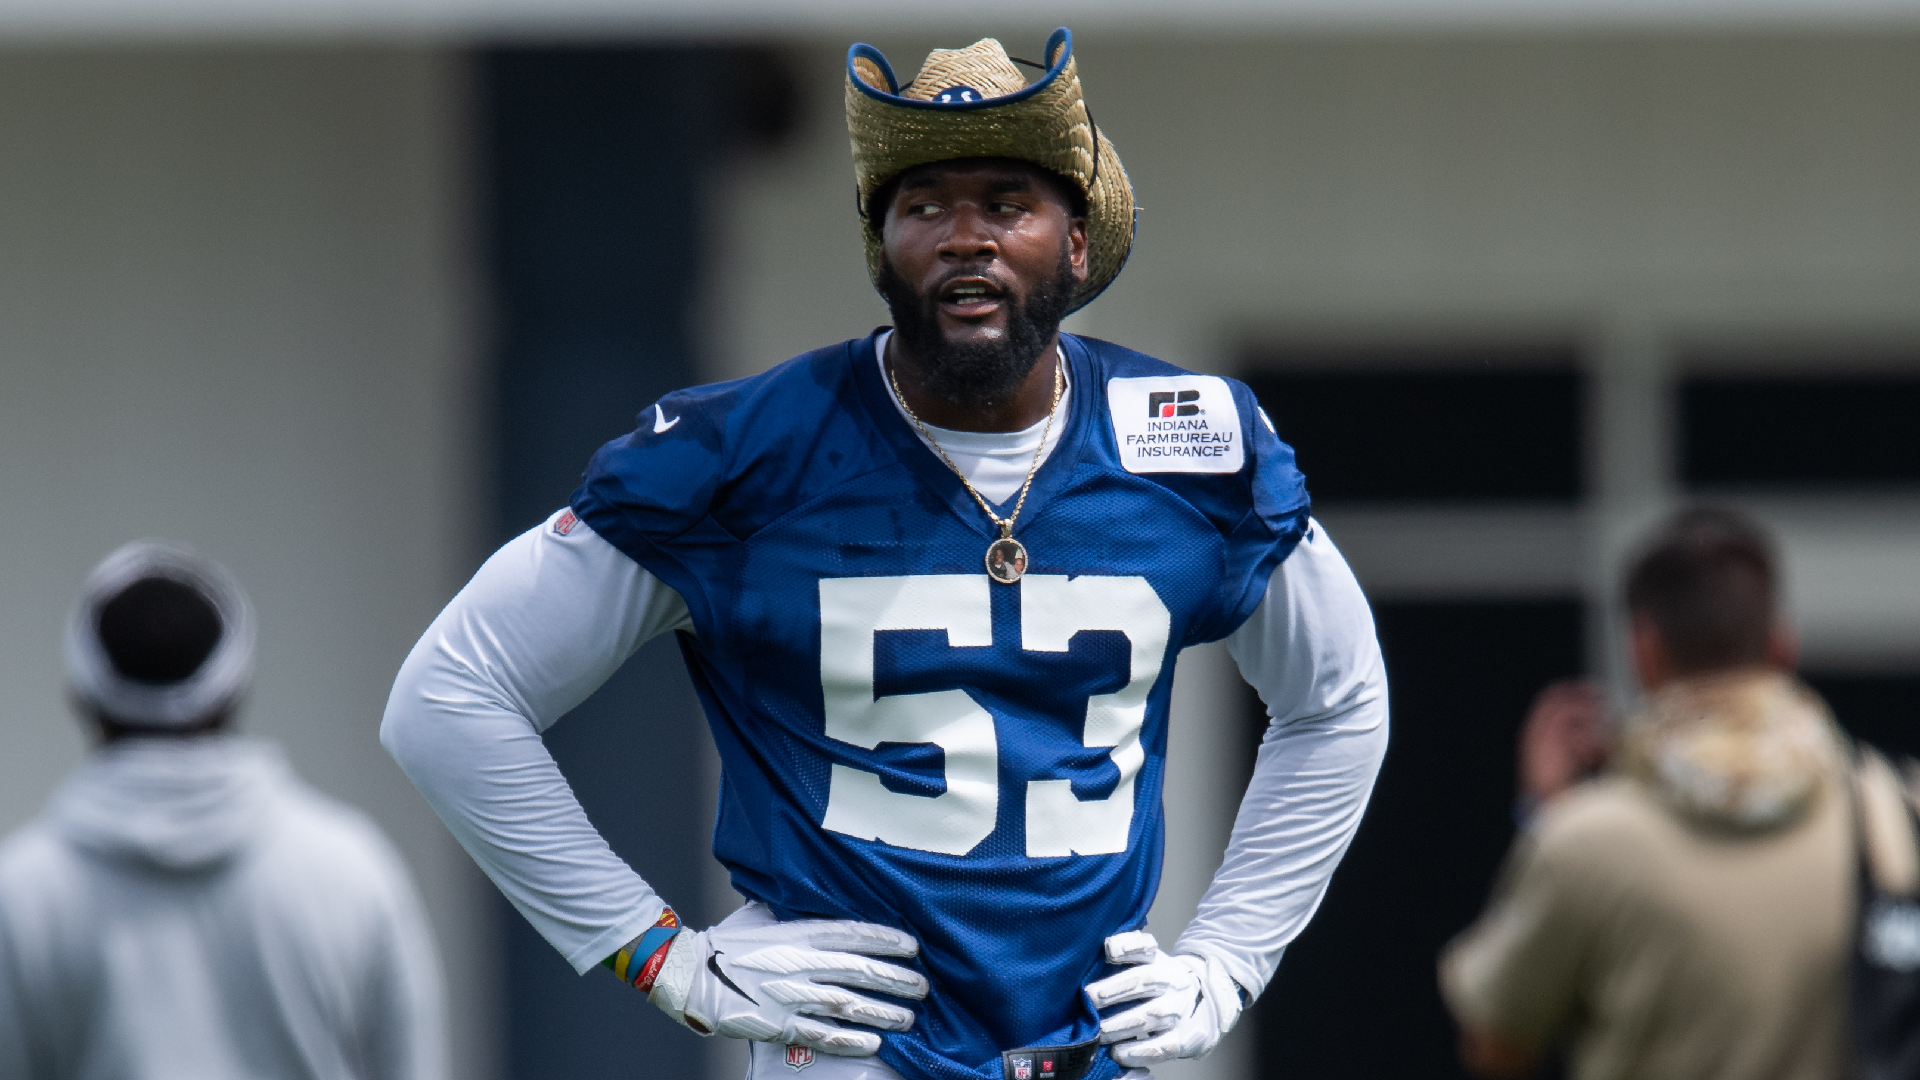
[1374, 432]
[1826, 431]
[1356, 996]
[1882, 708]
[593, 297]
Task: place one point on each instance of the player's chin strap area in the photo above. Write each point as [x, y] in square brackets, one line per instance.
[754, 977]
[1187, 1002]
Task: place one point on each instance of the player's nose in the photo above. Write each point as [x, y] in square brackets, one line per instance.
[968, 237]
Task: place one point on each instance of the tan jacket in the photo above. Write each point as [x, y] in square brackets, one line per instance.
[1689, 917]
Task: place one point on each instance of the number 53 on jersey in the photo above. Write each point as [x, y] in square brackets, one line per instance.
[854, 611]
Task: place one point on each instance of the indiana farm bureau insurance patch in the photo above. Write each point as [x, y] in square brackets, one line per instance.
[1176, 423]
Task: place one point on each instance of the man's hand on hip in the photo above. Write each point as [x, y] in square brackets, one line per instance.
[753, 977]
[1187, 1002]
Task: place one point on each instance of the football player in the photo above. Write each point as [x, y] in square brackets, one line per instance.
[930, 585]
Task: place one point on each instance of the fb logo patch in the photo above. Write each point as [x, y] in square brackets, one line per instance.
[564, 524]
[1162, 404]
[1023, 1068]
[799, 1057]
[1176, 423]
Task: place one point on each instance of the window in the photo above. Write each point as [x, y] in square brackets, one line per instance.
[1782, 432]
[1428, 425]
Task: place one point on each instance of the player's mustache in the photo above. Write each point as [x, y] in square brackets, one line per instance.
[931, 294]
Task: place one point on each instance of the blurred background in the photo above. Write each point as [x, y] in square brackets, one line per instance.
[344, 293]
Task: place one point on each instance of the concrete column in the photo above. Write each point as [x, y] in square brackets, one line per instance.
[1632, 478]
[1208, 760]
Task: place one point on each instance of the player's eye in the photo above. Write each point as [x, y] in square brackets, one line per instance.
[1005, 208]
[923, 210]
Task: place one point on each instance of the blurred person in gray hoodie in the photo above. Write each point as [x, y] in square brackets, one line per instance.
[1688, 913]
[185, 908]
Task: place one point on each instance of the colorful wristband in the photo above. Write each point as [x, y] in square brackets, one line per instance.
[638, 962]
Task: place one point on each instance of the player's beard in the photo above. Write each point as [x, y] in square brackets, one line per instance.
[977, 373]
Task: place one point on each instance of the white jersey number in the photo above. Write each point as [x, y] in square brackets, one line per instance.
[1053, 609]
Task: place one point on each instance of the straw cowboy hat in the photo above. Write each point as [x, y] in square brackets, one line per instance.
[973, 102]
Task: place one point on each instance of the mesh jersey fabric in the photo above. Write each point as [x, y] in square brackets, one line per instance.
[784, 505]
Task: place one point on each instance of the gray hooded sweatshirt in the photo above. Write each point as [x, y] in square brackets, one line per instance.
[187, 909]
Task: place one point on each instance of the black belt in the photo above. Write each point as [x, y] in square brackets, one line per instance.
[1049, 1062]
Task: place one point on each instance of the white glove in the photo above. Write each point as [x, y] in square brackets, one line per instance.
[1188, 1002]
[754, 977]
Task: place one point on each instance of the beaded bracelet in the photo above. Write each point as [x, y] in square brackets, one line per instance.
[638, 962]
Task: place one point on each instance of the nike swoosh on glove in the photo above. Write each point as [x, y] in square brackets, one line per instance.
[754, 977]
[1187, 1002]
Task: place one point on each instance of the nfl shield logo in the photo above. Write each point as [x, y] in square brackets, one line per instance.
[799, 1057]
[1022, 1068]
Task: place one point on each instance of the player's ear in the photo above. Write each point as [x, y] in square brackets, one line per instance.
[1077, 248]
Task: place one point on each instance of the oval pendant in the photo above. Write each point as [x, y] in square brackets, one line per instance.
[1006, 560]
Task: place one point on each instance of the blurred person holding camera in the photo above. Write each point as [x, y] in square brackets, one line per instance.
[1690, 911]
[185, 908]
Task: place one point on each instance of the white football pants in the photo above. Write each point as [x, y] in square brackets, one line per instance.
[769, 1062]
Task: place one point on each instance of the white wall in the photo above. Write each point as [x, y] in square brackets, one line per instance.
[94, 20]
[1706, 184]
[233, 312]
[1634, 194]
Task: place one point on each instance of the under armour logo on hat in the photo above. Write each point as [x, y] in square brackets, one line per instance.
[954, 95]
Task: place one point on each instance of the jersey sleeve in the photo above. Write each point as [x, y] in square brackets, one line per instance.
[651, 493]
[1272, 515]
[545, 621]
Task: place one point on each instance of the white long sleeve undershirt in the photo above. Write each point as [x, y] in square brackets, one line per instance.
[549, 618]
[1310, 651]
[542, 624]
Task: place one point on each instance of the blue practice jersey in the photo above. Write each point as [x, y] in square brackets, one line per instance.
[906, 741]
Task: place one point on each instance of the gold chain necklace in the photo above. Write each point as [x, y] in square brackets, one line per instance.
[1006, 557]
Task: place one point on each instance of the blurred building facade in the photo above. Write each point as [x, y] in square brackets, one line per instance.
[345, 315]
